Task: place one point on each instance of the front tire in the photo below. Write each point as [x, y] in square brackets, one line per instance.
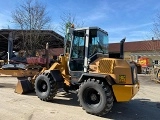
[45, 87]
[95, 97]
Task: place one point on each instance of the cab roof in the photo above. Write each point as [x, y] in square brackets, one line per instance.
[90, 28]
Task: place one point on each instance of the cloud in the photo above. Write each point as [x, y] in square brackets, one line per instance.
[99, 12]
[129, 5]
[129, 28]
[96, 16]
[132, 33]
[141, 35]
[138, 35]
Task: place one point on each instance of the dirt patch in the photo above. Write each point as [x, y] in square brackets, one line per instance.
[145, 104]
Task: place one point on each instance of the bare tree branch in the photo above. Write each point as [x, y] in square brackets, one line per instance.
[31, 17]
[156, 26]
[68, 18]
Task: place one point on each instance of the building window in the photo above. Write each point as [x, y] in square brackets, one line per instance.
[139, 56]
[132, 58]
[156, 62]
[135, 58]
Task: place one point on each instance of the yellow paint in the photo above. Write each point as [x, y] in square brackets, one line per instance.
[116, 68]
[124, 93]
[62, 66]
[55, 65]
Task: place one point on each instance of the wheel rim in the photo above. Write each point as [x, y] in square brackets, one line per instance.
[42, 86]
[91, 97]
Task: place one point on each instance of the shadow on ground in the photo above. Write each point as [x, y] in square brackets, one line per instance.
[64, 98]
[139, 109]
[7, 85]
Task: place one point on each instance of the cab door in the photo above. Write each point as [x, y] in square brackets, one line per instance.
[76, 62]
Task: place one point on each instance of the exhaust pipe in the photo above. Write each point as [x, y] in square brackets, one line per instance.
[121, 48]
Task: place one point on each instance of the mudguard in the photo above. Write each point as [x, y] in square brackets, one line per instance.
[57, 76]
[107, 77]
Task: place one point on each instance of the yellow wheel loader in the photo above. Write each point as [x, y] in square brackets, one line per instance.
[86, 67]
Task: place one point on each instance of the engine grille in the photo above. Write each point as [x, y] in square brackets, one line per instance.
[106, 66]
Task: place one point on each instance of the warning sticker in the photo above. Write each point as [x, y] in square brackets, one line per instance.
[122, 78]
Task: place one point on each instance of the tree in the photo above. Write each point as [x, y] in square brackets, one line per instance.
[156, 26]
[68, 19]
[31, 17]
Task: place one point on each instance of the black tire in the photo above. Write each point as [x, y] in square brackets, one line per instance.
[95, 97]
[45, 87]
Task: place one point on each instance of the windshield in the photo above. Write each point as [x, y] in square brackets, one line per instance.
[98, 42]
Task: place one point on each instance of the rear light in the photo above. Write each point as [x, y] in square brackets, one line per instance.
[134, 74]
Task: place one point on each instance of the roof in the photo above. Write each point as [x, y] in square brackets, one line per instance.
[147, 45]
[54, 39]
[86, 28]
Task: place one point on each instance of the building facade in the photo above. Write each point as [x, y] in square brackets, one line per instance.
[10, 39]
[135, 50]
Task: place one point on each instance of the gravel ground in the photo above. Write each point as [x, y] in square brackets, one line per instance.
[144, 106]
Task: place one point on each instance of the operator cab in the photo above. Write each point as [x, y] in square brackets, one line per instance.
[86, 43]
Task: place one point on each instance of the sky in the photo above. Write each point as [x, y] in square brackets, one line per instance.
[132, 19]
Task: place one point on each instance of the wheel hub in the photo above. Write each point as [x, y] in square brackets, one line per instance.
[44, 86]
[93, 97]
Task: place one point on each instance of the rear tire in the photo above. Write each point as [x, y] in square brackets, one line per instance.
[95, 97]
[45, 87]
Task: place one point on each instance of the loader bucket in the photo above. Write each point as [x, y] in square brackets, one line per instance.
[24, 86]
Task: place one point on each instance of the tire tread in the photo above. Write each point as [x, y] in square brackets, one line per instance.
[108, 94]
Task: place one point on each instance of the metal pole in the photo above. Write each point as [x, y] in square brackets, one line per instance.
[10, 46]
[47, 55]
